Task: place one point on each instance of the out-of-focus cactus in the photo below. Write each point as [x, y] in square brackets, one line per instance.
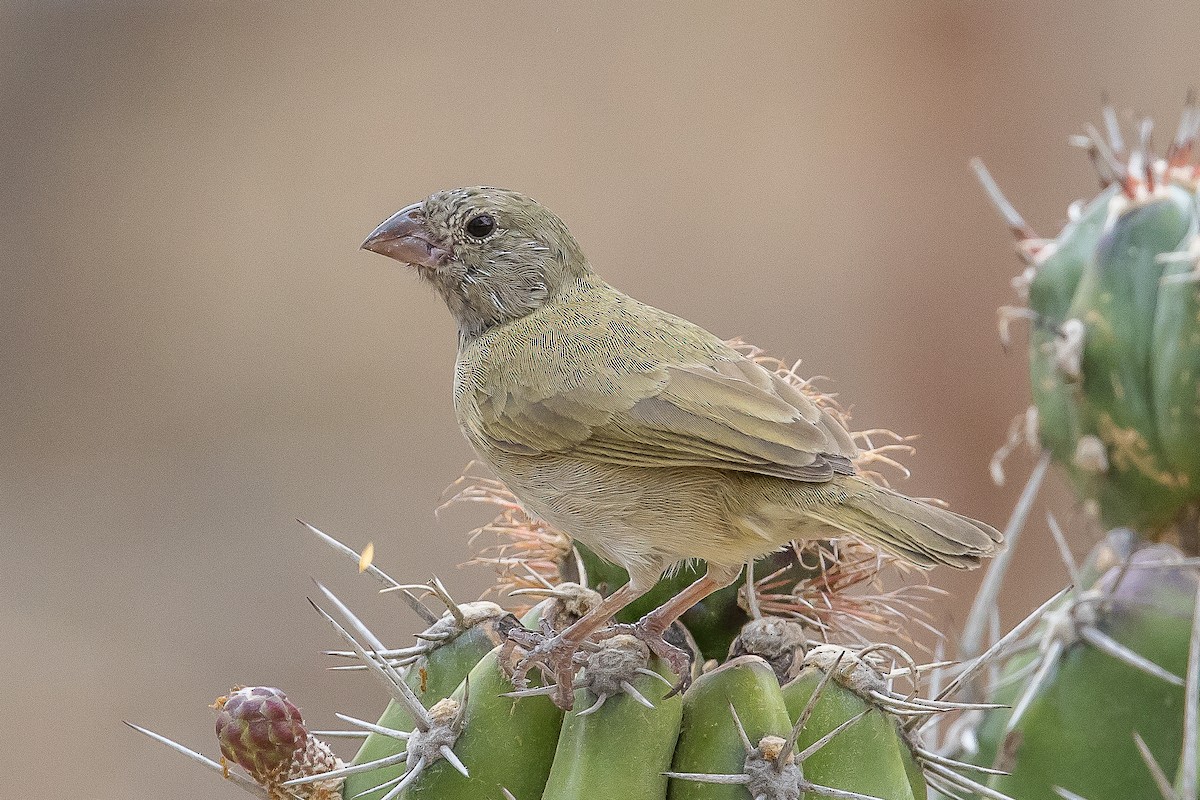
[1097, 705]
[1115, 348]
[1102, 672]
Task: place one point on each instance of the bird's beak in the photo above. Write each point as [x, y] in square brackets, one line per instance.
[404, 237]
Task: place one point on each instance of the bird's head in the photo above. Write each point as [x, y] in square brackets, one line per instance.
[493, 254]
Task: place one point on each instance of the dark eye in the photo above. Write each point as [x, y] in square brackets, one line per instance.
[481, 226]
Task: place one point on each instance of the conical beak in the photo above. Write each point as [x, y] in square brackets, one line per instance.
[404, 237]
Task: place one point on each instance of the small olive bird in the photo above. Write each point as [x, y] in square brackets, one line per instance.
[640, 434]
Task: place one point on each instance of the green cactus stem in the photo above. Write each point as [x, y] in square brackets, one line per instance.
[1115, 346]
[446, 652]
[709, 738]
[618, 745]
[506, 741]
[876, 739]
[1105, 664]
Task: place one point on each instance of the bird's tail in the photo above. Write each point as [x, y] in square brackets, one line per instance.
[918, 532]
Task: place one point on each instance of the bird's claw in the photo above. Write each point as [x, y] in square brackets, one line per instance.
[555, 656]
[677, 658]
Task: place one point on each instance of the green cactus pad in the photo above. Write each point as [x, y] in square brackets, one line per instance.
[871, 757]
[434, 677]
[621, 750]
[505, 742]
[1094, 703]
[709, 740]
[1116, 301]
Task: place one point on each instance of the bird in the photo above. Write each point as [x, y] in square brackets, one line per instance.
[640, 434]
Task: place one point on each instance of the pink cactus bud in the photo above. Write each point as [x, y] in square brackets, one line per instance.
[260, 730]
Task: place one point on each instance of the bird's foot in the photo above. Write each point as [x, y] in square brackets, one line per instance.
[557, 657]
[651, 634]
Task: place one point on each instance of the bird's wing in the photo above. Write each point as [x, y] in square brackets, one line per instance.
[729, 414]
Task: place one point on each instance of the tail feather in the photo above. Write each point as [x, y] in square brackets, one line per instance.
[918, 532]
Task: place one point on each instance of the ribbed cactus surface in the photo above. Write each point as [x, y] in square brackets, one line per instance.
[1100, 677]
[1101, 691]
[1114, 356]
[782, 716]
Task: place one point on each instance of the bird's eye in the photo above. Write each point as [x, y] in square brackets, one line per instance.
[481, 226]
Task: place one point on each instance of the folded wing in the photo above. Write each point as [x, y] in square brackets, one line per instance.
[726, 414]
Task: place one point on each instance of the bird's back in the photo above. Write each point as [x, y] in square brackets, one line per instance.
[589, 338]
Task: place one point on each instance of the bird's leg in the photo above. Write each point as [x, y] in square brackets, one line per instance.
[650, 628]
[556, 654]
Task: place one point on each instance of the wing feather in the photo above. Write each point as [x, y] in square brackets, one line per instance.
[728, 414]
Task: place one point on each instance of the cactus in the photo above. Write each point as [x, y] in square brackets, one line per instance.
[1114, 353]
[817, 719]
[794, 695]
[1102, 671]
[1095, 702]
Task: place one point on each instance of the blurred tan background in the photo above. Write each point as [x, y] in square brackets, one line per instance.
[193, 352]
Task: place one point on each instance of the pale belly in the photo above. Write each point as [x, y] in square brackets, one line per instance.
[646, 519]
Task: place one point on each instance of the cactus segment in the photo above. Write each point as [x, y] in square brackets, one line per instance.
[1077, 695]
[872, 757]
[770, 770]
[434, 676]
[1116, 300]
[1115, 346]
[709, 740]
[505, 742]
[1176, 364]
[622, 748]
[1053, 285]
[1118, 294]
